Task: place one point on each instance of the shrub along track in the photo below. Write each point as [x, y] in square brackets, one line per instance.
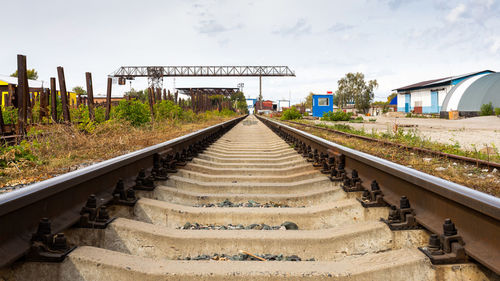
[133, 228]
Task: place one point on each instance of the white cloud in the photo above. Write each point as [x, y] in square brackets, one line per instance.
[301, 27]
[456, 13]
[486, 3]
[495, 44]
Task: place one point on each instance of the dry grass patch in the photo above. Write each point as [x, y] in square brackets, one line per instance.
[57, 149]
[465, 174]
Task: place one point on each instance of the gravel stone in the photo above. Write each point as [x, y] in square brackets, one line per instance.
[290, 225]
[254, 226]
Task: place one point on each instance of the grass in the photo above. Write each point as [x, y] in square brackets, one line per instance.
[462, 173]
[51, 150]
[412, 138]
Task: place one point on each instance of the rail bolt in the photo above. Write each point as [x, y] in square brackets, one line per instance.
[59, 242]
[434, 244]
[449, 228]
[404, 203]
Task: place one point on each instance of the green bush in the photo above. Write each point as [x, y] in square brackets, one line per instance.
[15, 153]
[337, 116]
[497, 110]
[486, 109]
[99, 114]
[372, 119]
[291, 114]
[227, 113]
[9, 114]
[167, 110]
[189, 116]
[306, 113]
[133, 111]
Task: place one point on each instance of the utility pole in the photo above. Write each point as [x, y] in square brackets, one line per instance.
[260, 92]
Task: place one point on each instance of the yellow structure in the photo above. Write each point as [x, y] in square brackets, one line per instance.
[35, 88]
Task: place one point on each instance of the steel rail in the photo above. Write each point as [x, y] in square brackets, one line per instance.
[414, 148]
[61, 198]
[476, 214]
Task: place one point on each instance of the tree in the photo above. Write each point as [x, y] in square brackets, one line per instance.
[79, 91]
[336, 99]
[32, 74]
[138, 95]
[353, 89]
[239, 99]
[309, 100]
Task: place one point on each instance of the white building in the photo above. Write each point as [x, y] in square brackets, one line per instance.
[428, 96]
[283, 104]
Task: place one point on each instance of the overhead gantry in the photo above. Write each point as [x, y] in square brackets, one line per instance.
[155, 74]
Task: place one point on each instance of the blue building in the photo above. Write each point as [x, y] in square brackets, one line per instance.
[428, 97]
[321, 104]
[251, 105]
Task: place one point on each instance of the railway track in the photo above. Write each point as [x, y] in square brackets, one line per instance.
[465, 159]
[236, 201]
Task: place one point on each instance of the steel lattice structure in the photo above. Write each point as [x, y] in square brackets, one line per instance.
[208, 91]
[155, 74]
[130, 72]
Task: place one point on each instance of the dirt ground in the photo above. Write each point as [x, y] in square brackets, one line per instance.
[470, 133]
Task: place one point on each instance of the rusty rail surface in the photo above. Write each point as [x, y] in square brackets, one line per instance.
[60, 199]
[475, 214]
[414, 148]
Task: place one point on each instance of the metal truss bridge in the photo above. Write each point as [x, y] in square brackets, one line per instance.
[155, 74]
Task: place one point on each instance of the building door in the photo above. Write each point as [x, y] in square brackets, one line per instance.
[407, 102]
[434, 102]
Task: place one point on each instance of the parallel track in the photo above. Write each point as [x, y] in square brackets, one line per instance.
[478, 162]
[245, 164]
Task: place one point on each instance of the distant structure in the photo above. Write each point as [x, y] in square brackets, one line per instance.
[283, 105]
[251, 105]
[8, 87]
[321, 104]
[266, 106]
[463, 93]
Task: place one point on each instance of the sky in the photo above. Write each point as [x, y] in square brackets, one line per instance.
[396, 42]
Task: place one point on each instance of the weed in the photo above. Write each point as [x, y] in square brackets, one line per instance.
[16, 153]
[132, 111]
[338, 115]
[291, 114]
[486, 109]
[9, 114]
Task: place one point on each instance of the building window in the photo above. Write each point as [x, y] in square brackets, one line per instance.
[323, 101]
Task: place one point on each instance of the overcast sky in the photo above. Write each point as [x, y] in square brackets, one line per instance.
[396, 42]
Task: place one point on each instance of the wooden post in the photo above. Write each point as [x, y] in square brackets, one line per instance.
[164, 94]
[158, 93]
[191, 96]
[151, 102]
[12, 92]
[153, 95]
[176, 97]
[90, 95]
[53, 99]
[108, 98]
[2, 129]
[42, 104]
[64, 95]
[22, 93]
